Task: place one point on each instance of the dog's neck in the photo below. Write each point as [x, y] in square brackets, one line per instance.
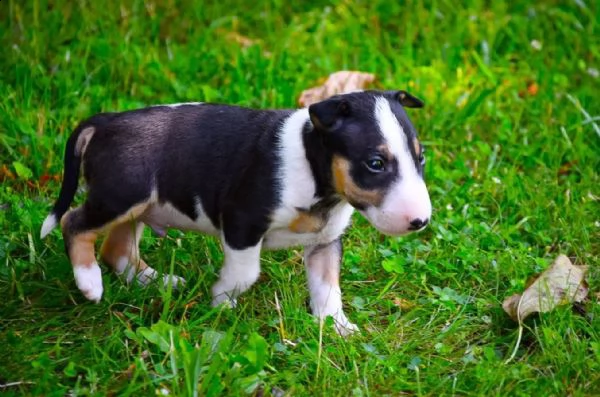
[319, 158]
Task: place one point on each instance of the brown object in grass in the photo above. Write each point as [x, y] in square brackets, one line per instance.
[341, 82]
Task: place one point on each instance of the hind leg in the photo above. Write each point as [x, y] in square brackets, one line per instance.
[121, 251]
[79, 237]
[81, 227]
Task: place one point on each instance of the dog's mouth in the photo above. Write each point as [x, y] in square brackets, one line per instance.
[389, 226]
[417, 230]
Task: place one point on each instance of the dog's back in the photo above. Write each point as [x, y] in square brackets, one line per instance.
[220, 152]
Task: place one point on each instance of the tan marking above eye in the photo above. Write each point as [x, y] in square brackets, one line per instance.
[387, 153]
[346, 187]
[417, 146]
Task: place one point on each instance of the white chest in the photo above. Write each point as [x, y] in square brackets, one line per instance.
[298, 191]
[283, 237]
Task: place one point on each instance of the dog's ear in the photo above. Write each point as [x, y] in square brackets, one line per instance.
[329, 114]
[407, 100]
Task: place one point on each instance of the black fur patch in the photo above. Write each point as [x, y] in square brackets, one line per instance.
[222, 154]
[224, 157]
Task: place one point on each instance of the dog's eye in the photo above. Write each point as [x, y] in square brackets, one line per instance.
[422, 159]
[375, 164]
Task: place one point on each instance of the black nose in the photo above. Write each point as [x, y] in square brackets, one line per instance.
[417, 223]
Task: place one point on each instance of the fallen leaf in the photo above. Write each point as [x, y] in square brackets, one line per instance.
[24, 150]
[129, 372]
[120, 315]
[533, 89]
[237, 38]
[337, 83]
[562, 283]
[403, 304]
[191, 304]
[44, 179]
[566, 168]
[6, 173]
[241, 39]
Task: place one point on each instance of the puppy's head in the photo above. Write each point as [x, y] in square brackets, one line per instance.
[377, 160]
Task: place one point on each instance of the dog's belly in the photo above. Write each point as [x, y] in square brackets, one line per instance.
[283, 238]
[164, 216]
[161, 217]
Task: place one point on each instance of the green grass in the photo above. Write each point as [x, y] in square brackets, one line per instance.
[513, 175]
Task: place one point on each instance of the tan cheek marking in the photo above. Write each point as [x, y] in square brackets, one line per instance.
[306, 222]
[81, 249]
[345, 186]
[339, 175]
[372, 197]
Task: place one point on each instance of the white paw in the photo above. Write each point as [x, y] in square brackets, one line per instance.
[124, 269]
[89, 281]
[224, 300]
[345, 329]
[146, 276]
[342, 325]
[224, 294]
[175, 281]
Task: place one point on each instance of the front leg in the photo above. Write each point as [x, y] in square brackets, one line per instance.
[240, 270]
[323, 271]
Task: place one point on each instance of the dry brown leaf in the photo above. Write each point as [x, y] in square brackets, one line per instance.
[235, 37]
[567, 167]
[6, 173]
[241, 39]
[560, 284]
[337, 83]
[533, 88]
[403, 304]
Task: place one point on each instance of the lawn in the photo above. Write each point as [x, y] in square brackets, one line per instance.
[511, 120]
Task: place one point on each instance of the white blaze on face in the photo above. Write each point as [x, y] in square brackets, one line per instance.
[407, 199]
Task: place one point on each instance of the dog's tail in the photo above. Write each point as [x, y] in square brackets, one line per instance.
[72, 163]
